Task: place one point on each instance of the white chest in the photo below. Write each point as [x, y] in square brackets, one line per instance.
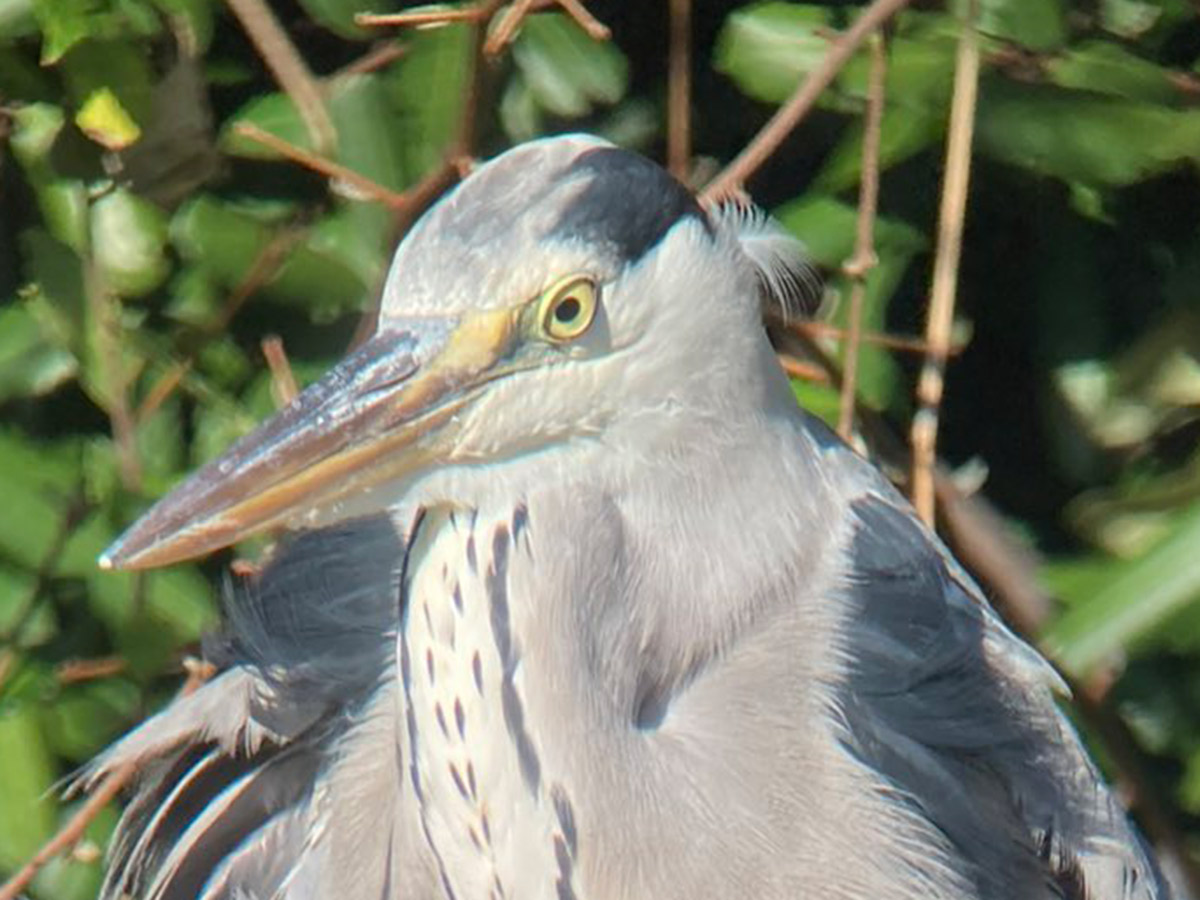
[487, 808]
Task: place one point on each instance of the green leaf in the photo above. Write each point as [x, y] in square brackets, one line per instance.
[227, 241]
[192, 20]
[37, 127]
[37, 481]
[1039, 25]
[274, 113]
[129, 238]
[1083, 137]
[55, 291]
[120, 67]
[17, 19]
[83, 718]
[1138, 596]
[26, 778]
[566, 71]
[64, 25]
[338, 15]
[427, 87]
[768, 47]
[1107, 68]
[30, 365]
[827, 228]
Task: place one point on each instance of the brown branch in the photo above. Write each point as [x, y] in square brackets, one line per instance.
[507, 25]
[595, 29]
[71, 833]
[945, 268]
[788, 116]
[431, 18]
[319, 164]
[506, 29]
[875, 339]
[289, 70]
[805, 371]
[483, 13]
[264, 267]
[283, 381]
[8, 660]
[679, 91]
[375, 59]
[864, 258]
[74, 671]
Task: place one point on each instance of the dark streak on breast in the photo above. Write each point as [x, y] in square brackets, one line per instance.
[514, 713]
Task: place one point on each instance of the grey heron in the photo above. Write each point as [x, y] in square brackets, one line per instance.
[578, 604]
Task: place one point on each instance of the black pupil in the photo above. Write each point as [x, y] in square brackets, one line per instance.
[567, 311]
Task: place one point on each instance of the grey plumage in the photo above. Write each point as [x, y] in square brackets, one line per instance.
[610, 617]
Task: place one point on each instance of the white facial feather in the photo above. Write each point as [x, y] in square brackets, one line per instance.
[788, 281]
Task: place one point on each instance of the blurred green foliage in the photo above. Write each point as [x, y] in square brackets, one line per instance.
[147, 246]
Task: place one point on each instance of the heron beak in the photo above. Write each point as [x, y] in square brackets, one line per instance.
[372, 419]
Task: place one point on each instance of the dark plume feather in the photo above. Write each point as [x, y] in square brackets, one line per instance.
[228, 774]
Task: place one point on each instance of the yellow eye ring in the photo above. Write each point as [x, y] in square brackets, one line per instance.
[568, 308]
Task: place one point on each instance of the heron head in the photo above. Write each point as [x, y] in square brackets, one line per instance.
[568, 295]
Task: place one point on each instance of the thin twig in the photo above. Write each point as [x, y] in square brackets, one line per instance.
[510, 22]
[506, 26]
[422, 18]
[8, 659]
[73, 830]
[679, 91]
[864, 259]
[595, 29]
[74, 671]
[805, 371]
[788, 116]
[263, 268]
[289, 70]
[875, 339]
[283, 381]
[375, 59]
[945, 266]
[318, 163]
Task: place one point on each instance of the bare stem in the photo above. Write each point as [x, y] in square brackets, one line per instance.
[283, 381]
[945, 266]
[679, 91]
[864, 243]
[888, 341]
[289, 70]
[321, 165]
[767, 141]
[74, 671]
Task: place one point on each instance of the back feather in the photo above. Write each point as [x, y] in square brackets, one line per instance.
[235, 780]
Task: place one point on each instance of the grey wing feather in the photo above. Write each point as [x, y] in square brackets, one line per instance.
[957, 717]
[228, 802]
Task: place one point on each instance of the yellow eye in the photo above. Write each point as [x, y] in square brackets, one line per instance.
[568, 308]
